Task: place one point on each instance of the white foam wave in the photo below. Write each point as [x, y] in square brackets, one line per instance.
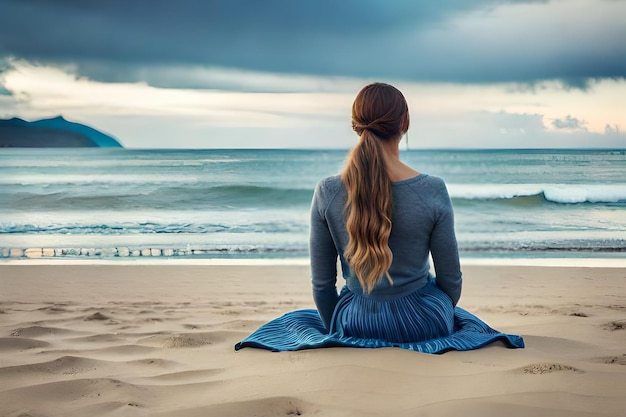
[582, 194]
[557, 193]
[493, 191]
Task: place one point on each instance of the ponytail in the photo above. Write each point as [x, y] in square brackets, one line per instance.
[369, 209]
[379, 114]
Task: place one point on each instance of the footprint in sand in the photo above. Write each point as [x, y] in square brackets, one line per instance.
[616, 360]
[547, 368]
[615, 325]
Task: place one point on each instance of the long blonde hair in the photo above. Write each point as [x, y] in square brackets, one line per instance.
[379, 114]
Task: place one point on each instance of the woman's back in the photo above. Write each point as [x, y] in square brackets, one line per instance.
[422, 218]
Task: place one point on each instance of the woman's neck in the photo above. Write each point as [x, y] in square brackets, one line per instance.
[396, 169]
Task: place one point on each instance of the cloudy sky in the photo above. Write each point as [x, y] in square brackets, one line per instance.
[283, 73]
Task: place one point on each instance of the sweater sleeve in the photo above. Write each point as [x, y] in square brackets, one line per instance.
[444, 249]
[323, 255]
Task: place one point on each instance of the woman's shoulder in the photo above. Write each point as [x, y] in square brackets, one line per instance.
[429, 189]
[435, 181]
[330, 184]
[327, 189]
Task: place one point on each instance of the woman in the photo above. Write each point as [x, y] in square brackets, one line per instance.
[382, 219]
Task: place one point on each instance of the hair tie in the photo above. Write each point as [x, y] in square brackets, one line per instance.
[359, 128]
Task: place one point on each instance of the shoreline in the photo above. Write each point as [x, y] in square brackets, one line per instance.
[158, 261]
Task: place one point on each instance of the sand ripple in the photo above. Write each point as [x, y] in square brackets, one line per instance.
[163, 347]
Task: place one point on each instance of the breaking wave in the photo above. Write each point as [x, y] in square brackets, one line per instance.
[554, 193]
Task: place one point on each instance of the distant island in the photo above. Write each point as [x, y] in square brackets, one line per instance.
[52, 133]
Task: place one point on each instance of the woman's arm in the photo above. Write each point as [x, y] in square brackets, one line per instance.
[444, 249]
[323, 261]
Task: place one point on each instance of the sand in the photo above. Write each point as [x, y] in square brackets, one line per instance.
[157, 340]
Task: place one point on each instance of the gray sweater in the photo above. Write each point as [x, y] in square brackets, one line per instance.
[422, 222]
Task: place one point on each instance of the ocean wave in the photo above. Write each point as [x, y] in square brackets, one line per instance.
[554, 193]
[206, 196]
[33, 164]
[120, 179]
[151, 228]
[178, 197]
[252, 197]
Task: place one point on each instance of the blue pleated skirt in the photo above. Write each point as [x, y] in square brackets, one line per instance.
[424, 321]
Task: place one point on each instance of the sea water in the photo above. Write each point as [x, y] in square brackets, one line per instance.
[118, 203]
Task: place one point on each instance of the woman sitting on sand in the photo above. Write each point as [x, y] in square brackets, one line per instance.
[382, 219]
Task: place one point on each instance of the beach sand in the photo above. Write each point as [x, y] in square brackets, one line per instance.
[157, 340]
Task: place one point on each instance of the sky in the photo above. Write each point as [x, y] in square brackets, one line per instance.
[284, 73]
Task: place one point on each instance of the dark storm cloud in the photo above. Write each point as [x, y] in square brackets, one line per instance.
[245, 33]
[404, 39]
[4, 65]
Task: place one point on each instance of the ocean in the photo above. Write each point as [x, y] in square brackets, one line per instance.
[125, 203]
